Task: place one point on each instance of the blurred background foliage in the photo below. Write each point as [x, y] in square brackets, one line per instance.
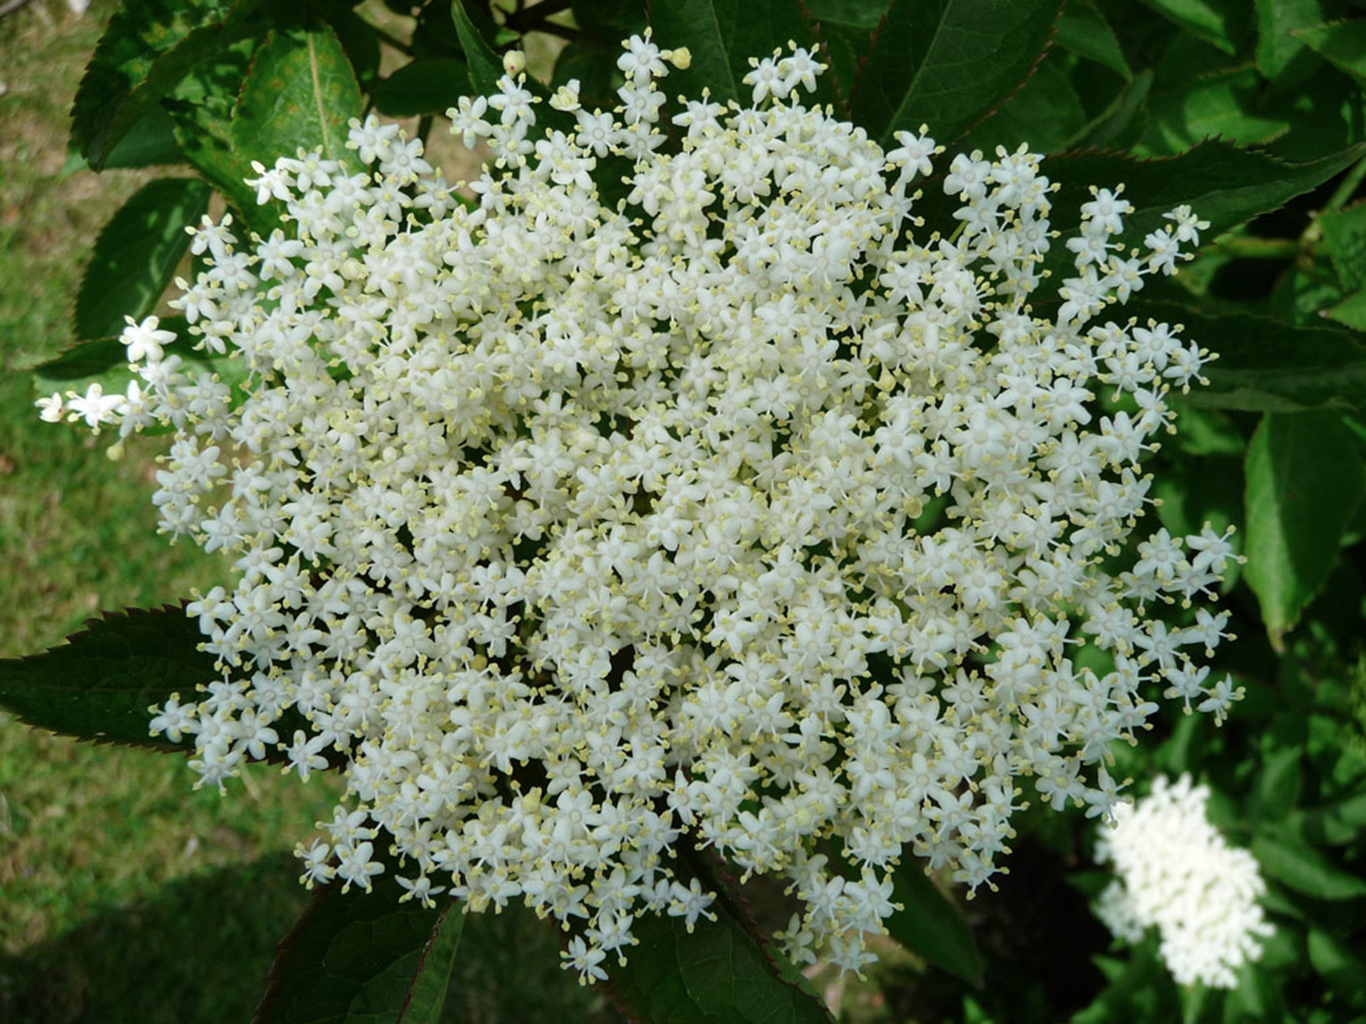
[109, 864]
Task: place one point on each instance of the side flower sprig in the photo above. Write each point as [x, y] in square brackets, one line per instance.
[749, 506]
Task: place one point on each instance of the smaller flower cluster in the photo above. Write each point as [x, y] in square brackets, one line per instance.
[1177, 872]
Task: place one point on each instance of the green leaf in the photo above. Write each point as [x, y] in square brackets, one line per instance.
[1223, 184]
[1350, 312]
[357, 38]
[1083, 30]
[1342, 44]
[1278, 784]
[1345, 233]
[1304, 869]
[201, 108]
[722, 36]
[1304, 481]
[100, 683]
[1222, 23]
[930, 926]
[1264, 364]
[363, 958]
[1276, 22]
[721, 972]
[864, 14]
[137, 253]
[422, 87]
[148, 143]
[300, 93]
[1046, 113]
[1226, 104]
[147, 48]
[485, 67]
[1337, 965]
[949, 63]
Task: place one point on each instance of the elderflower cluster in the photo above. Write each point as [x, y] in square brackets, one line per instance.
[738, 510]
[1177, 873]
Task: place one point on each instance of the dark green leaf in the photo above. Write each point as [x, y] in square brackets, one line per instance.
[949, 63]
[1266, 365]
[1304, 869]
[100, 683]
[485, 67]
[363, 958]
[1337, 965]
[1342, 44]
[136, 254]
[929, 926]
[1278, 784]
[148, 143]
[1083, 30]
[300, 93]
[358, 39]
[842, 48]
[429, 86]
[1276, 21]
[610, 20]
[1223, 184]
[719, 973]
[147, 48]
[201, 107]
[864, 14]
[1304, 481]
[722, 36]
[1345, 233]
[1046, 113]
[1222, 23]
[1123, 122]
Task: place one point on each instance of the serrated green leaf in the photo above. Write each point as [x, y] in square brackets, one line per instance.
[1351, 312]
[949, 63]
[300, 93]
[930, 926]
[1345, 233]
[136, 254]
[99, 684]
[1265, 364]
[148, 143]
[1342, 44]
[147, 48]
[363, 958]
[429, 86]
[357, 38]
[1304, 869]
[1226, 105]
[1046, 114]
[1222, 23]
[1083, 30]
[1276, 21]
[722, 36]
[1304, 481]
[1222, 184]
[719, 973]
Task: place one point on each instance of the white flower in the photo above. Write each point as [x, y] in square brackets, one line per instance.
[570, 527]
[1177, 873]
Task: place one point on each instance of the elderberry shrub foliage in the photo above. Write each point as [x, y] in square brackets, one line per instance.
[829, 465]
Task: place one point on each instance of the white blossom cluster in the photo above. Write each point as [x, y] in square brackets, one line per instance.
[744, 512]
[1177, 873]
